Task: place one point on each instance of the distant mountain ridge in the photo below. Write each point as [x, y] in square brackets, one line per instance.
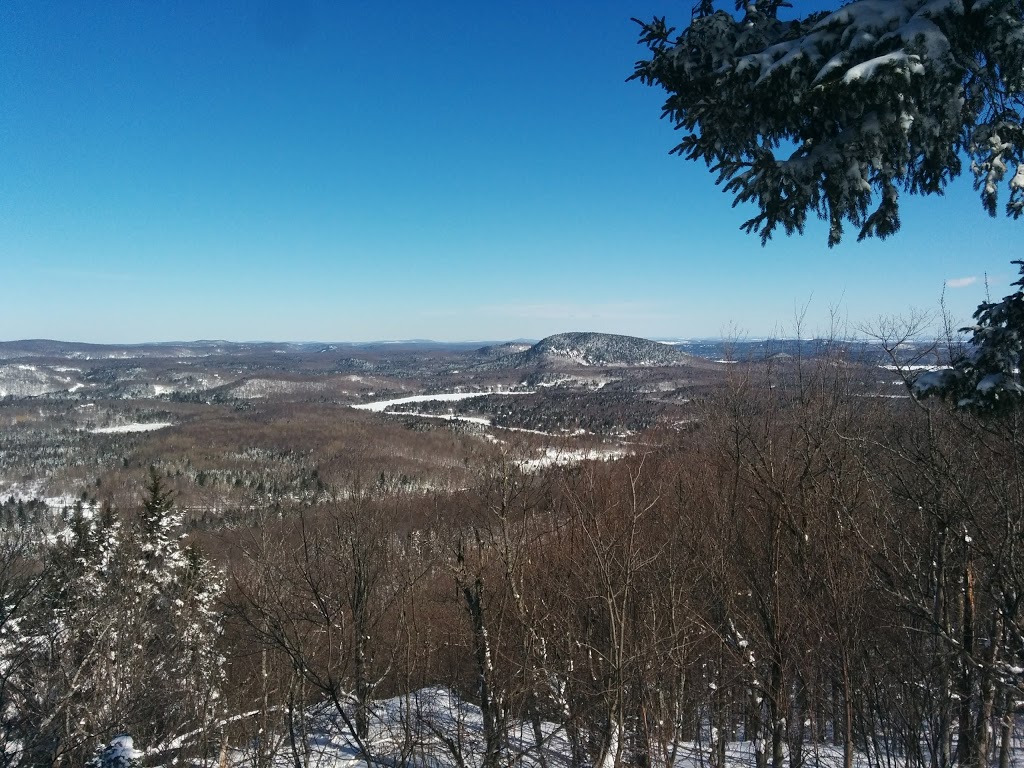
[588, 349]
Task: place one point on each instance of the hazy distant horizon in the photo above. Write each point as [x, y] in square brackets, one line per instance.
[461, 342]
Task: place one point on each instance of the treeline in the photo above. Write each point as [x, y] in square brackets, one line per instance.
[807, 569]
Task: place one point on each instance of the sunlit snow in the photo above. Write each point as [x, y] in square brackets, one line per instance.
[382, 405]
[134, 427]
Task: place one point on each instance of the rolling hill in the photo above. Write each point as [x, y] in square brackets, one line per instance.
[583, 349]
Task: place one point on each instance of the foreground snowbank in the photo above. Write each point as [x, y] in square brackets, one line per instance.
[434, 728]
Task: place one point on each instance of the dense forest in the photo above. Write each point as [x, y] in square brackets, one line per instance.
[818, 574]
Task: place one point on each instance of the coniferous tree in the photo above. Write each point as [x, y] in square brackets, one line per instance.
[123, 637]
[119, 753]
[835, 114]
[171, 611]
[19, 589]
[72, 641]
[986, 378]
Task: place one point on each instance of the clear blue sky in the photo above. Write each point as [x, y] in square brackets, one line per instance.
[335, 170]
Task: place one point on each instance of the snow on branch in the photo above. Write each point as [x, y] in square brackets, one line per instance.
[838, 113]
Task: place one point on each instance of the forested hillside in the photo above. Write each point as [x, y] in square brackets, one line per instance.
[804, 568]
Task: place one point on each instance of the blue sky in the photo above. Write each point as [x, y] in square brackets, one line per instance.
[382, 170]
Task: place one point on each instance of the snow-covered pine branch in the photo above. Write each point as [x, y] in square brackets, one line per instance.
[837, 113]
[987, 378]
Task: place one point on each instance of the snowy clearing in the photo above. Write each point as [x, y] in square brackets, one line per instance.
[134, 427]
[36, 490]
[382, 405]
[559, 457]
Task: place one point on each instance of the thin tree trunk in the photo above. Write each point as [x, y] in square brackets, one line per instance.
[983, 731]
[1006, 732]
[967, 746]
[489, 706]
[757, 728]
[776, 705]
[847, 713]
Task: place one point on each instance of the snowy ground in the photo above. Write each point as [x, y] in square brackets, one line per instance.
[430, 727]
[36, 490]
[133, 427]
[434, 728]
[381, 405]
[564, 457]
[892, 367]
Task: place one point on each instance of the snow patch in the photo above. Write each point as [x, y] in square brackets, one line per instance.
[562, 457]
[381, 405]
[133, 427]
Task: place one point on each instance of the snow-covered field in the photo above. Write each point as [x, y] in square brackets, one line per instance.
[916, 367]
[36, 490]
[562, 457]
[134, 427]
[22, 380]
[381, 405]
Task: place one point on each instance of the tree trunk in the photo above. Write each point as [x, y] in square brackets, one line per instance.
[1006, 731]
[360, 605]
[847, 722]
[489, 704]
[983, 729]
[757, 728]
[967, 746]
[776, 706]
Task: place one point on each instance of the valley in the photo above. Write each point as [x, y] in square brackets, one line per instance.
[588, 550]
[236, 425]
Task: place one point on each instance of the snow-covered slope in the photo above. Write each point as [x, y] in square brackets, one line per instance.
[23, 380]
[580, 349]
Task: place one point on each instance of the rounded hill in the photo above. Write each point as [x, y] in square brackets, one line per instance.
[585, 349]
